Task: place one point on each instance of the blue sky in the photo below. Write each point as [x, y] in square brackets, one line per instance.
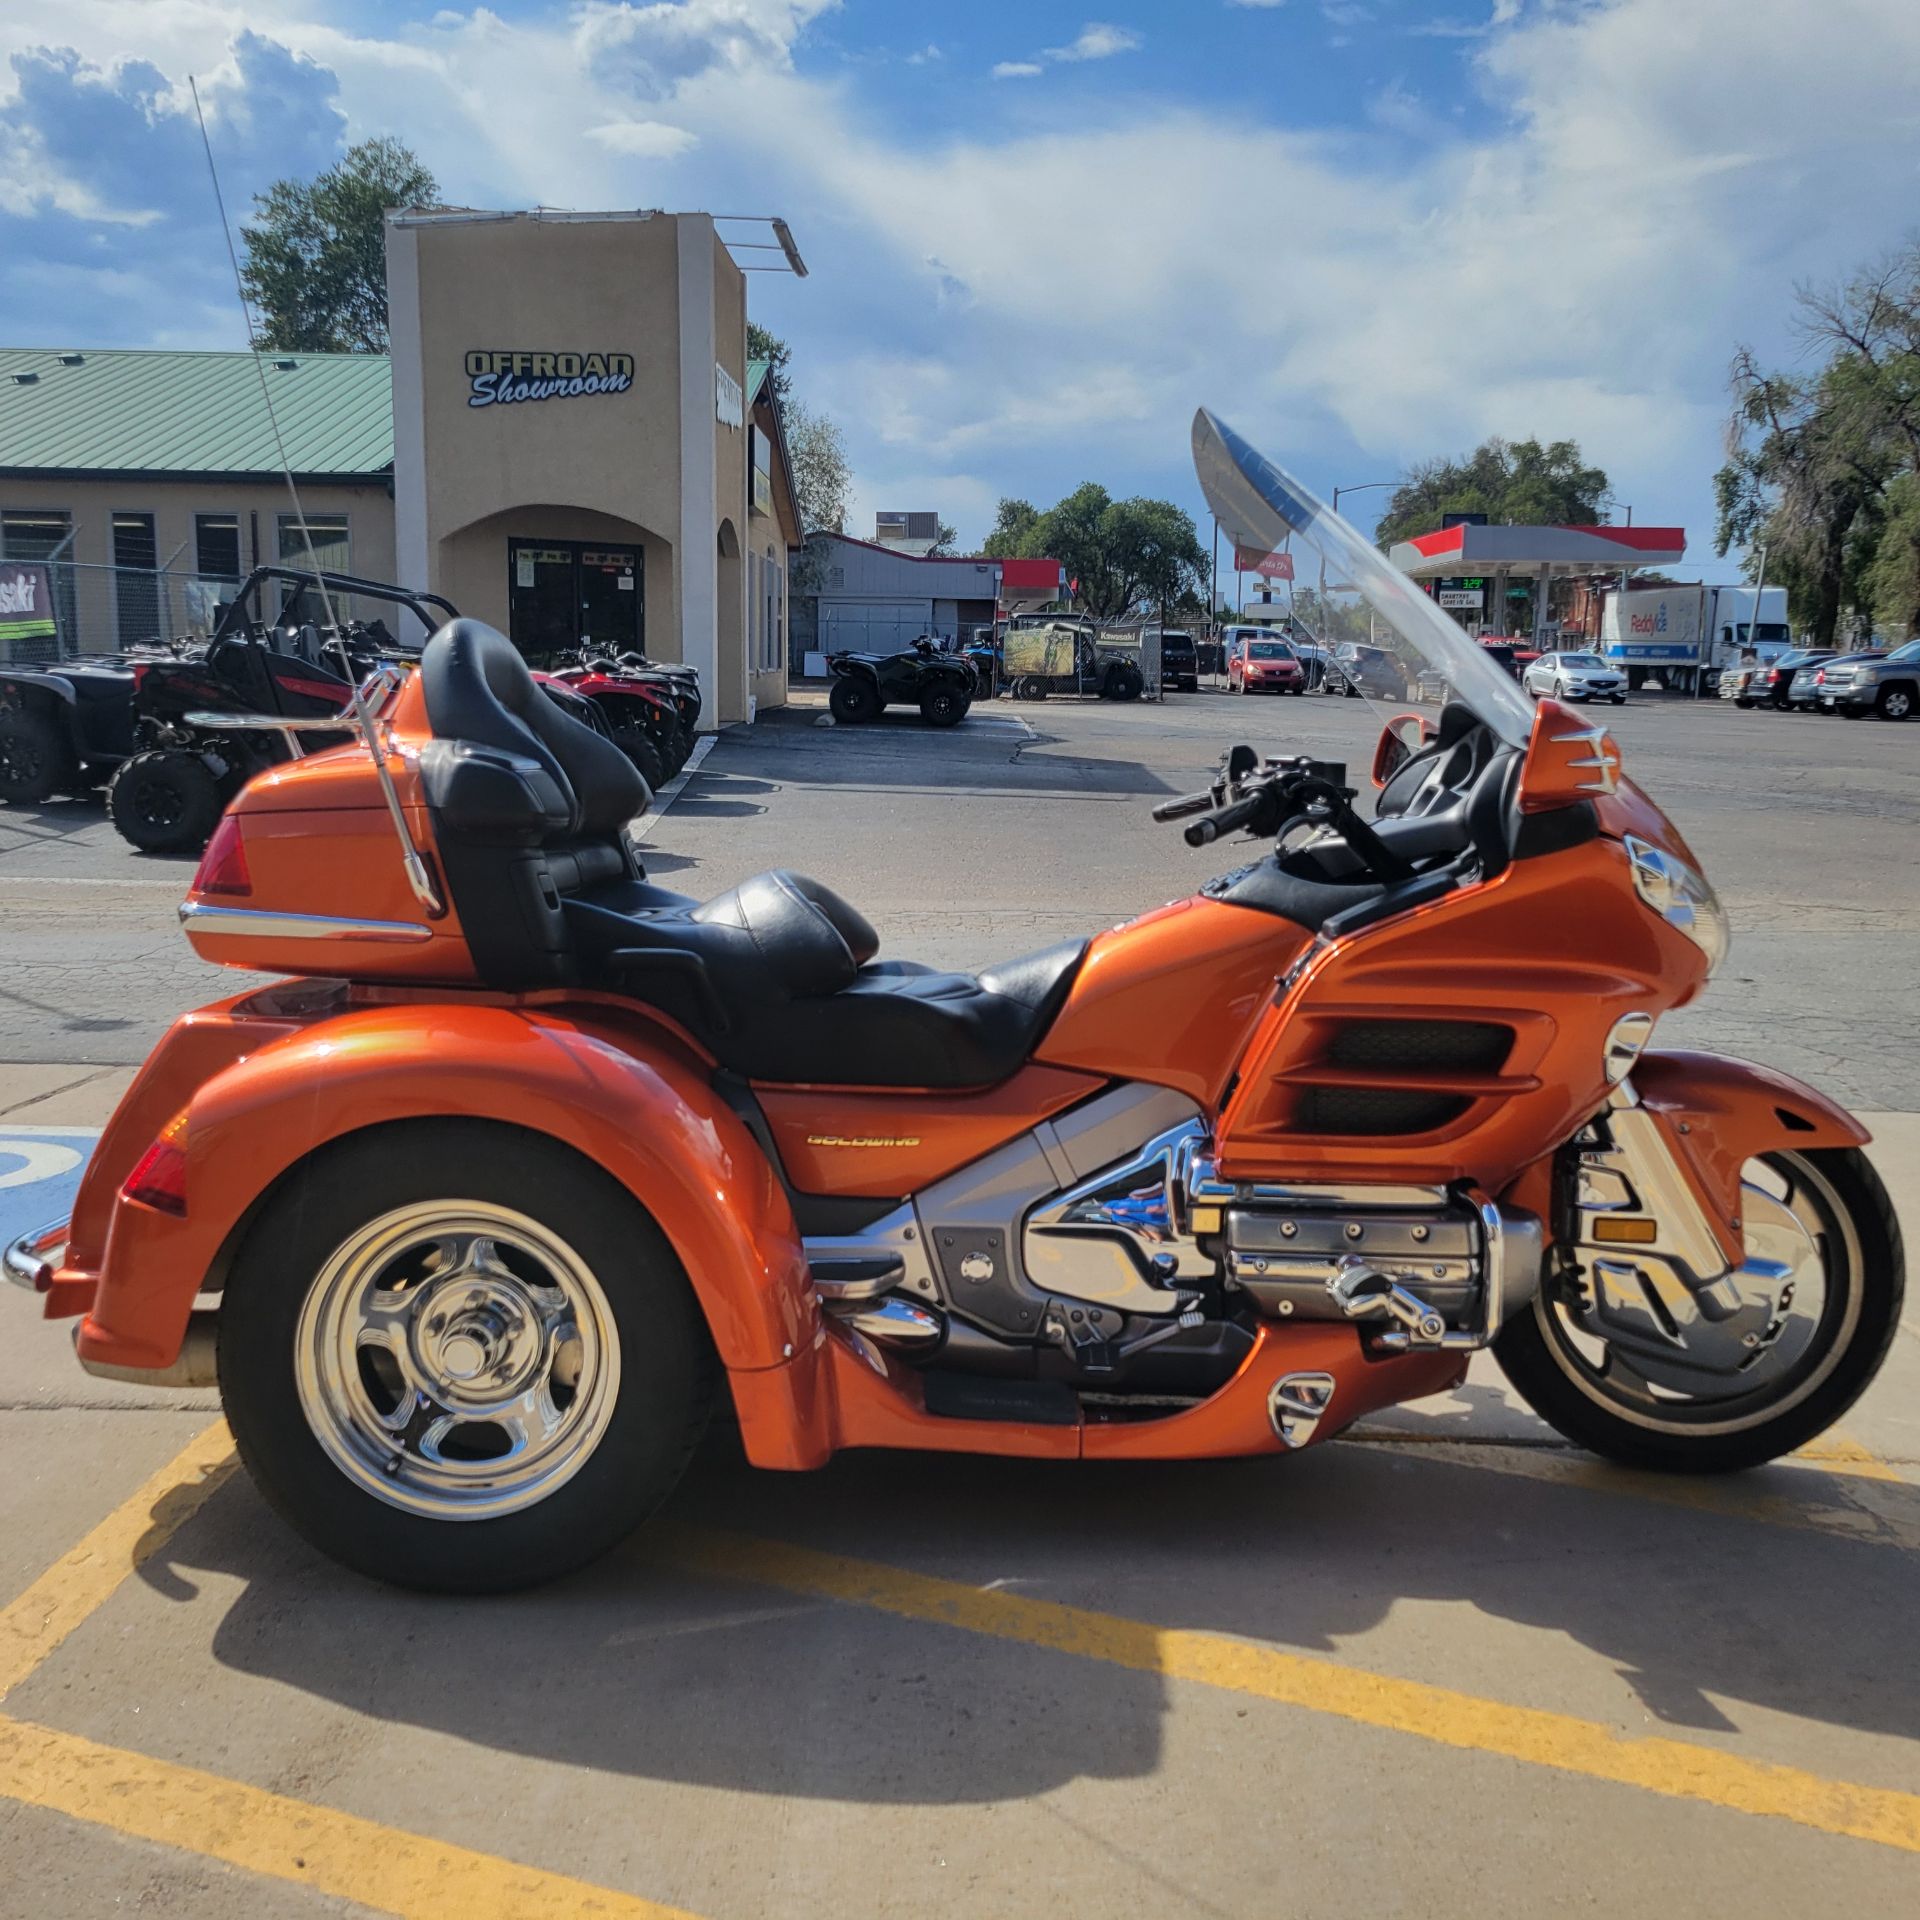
[1363, 230]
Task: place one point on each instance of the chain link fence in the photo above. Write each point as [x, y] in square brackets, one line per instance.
[103, 609]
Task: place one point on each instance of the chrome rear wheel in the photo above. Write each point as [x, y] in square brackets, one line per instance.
[457, 1359]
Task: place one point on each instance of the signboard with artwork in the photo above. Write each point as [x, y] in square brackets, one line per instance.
[26, 607]
[1272, 566]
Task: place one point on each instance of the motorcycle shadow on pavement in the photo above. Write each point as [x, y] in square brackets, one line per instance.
[637, 1668]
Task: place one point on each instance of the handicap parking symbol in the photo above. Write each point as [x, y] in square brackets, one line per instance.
[40, 1169]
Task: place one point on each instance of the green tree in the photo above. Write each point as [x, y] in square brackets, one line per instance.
[763, 345]
[316, 261]
[1821, 469]
[945, 540]
[1128, 556]
[1012, 522]
[822, 479]
[1518, 482]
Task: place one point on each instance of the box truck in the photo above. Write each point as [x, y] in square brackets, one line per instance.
[1687, 634]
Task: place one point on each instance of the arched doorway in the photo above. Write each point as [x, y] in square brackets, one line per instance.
[730, 627]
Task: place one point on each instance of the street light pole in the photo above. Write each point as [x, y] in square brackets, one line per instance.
[1360, 486]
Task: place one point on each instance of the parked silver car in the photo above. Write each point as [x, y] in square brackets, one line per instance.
[1857, 684]
[1575, 676]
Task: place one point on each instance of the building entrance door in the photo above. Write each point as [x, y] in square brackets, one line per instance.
[566, 594]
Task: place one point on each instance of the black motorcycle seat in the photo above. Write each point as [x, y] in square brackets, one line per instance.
[778, 978]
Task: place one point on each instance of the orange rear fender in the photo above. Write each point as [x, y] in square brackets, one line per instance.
[629, 1100]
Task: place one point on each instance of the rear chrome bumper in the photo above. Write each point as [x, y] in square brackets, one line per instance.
[33, 1259]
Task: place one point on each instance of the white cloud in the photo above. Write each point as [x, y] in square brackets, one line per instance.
[1016, 70]
[1257, 3]
[1579, 263]
[1344, 13]
[926, 56]
[1097, 41]
[643, 139]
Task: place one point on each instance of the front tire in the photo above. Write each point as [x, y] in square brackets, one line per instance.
[1894, 703]
[943, 706]
[164, 801]
[456, 1356]
[638, 746]
[1780, 1397]
[854, 700]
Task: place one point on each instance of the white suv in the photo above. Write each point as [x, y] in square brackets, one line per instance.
[1575, 676]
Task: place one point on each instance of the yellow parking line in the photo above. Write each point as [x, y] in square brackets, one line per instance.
[1834, 1452]
[337, 1853]
[1867, 1511]
[1676, 1769]
[84, 1578]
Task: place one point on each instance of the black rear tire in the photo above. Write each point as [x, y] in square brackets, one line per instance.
[36, 757]
[665, 1359]
[854, 700]
[1894, 703]
[1863, 1324]
[164, 801]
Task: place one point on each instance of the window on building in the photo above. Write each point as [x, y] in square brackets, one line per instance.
[772, 641]
[328, 531]
[216, 545]
[136, 585]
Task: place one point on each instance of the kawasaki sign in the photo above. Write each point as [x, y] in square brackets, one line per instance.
[499, 376]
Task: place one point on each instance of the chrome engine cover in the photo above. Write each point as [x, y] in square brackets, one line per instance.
[1286, 1259]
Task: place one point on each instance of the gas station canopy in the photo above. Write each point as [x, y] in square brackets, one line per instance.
[1453, 551]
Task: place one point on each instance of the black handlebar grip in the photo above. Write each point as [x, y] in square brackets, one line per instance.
[1202, 832]
[1186, 804]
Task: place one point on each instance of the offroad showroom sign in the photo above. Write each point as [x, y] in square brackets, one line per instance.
[500, 375]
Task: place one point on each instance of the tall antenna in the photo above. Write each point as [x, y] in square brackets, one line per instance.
[418, 878]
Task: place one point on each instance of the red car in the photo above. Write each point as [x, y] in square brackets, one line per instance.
[1265, 666]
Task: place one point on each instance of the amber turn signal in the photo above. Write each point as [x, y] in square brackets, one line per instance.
[1637, 1233]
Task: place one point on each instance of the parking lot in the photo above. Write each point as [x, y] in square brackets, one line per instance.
[1445, 1664]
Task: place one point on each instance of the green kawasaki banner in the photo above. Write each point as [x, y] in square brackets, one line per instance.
[26, 602]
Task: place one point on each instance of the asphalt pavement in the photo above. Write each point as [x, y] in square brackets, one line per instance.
[1446, 1666]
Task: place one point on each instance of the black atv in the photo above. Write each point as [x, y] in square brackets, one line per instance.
[941, 685]
[204, 724]
[65, 727]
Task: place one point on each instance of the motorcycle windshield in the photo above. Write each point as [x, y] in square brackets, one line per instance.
[1387, 637]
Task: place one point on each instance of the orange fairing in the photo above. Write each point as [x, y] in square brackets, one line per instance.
[641, 1110]
[1170, 998]
[1569, 759]
[888, 1143]
[1549, 954]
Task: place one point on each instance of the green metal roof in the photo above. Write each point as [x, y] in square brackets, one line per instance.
[756, 373]
[119, 411]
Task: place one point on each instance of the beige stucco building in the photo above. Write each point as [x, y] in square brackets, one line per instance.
[572, 442]
[566, 441]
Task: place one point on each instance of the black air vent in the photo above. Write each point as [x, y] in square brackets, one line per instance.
[1374, 1110]
[1421, 1046]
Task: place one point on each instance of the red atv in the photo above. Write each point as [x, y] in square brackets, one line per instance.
[641, 710]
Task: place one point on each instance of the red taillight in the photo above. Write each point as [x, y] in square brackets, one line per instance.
[223, 867]
[1820, 677]
[159, 1177]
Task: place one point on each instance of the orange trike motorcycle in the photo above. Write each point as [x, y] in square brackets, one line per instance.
[530, 1164]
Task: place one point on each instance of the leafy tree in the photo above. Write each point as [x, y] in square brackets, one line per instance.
[1012, 521]
[1128, 556]
[945, 540]
[1822, 468]
[822, 479]
[763, 345]
[316, 260]
[1519, 482]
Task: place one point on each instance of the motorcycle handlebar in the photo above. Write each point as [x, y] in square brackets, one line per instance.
[1202, 832]
[1186, 804]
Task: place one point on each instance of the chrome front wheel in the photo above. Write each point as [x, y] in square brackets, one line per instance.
[1634, 1368]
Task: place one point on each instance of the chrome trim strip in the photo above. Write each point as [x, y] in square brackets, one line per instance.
[254, 923]
[272, 723]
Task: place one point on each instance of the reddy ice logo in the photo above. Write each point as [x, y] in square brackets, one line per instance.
[1649, 623]
[499, 375]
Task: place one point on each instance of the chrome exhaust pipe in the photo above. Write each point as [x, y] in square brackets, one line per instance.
[196, 1366]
